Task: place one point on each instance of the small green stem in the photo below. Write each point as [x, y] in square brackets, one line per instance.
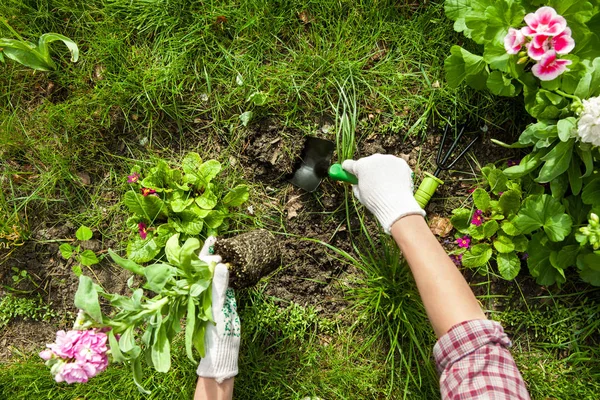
[570, 96]
[5, 22]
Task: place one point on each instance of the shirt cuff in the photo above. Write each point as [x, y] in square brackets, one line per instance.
[465, 338]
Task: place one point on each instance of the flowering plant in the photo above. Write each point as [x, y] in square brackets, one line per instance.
[549, 51]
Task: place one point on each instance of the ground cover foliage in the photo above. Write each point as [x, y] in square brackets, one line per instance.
[157, 79]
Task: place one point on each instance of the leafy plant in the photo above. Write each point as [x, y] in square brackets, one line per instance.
[85, 257]
[148, 324]
[27, 308]
[183, 200]
[31, 55]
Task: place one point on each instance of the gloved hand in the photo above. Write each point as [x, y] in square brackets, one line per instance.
[385, 187]
[222, 340]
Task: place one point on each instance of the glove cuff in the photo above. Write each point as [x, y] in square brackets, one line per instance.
[220, 361]
[388, 213]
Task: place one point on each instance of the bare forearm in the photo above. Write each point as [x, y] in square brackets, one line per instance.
[447, 297]
[209, 389]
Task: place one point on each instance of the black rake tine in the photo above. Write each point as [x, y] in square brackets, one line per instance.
[449, 153]
[462, 153]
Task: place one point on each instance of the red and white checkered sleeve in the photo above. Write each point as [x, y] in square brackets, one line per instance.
[474, 363]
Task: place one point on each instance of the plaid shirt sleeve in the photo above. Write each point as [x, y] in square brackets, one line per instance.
[474, 363]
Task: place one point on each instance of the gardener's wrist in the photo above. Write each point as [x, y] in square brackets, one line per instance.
[405, 225]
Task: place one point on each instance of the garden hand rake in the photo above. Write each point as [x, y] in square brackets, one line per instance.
[431, 181]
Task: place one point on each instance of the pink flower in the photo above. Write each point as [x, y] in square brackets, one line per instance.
[75, 372]
[46, 354]
[513, 41]
[545, 21]
[457, 259]
[65, 342]
[562, 43]
[133, 178]
[142, 229]
[477, 219]
[464, 242]
[147, 191]
[549, 67]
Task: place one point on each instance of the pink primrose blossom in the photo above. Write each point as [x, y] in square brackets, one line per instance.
[477, 219]
[549, 67]
[133, 178]
[545, 21]
[562, 43]
[142, 230]
[513, 41]
[464, 242]
[147, 191]
[457, 259]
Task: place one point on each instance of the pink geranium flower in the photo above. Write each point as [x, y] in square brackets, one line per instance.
[545, 21]
[562, 43]
[477, 219]
[464, 242]
[549, 67]
[513, 41]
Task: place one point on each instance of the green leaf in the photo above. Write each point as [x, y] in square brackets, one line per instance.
[509, 265]
[26, 53]
[566, 257]
[180, 201]
[127, 340]
[500, 85]
[489, 229]
[190, 164]
[588, 161]
[188, 222]
[456, 10]
[87, 258]
[157, 276]
[258, 98]
[207, 201]
[463, 65]
[214, 219]
[66, 250]
[461, 219]
[188, 254]
[589, 267]
[161, 351]
[198, 337]
[530, 162]
[574, 179]
[127, 264]
[86, 298]
[509, 202]
[150, 207]
[509, 228]
[557, 161]
[115, 350]
[481, 198]
[477, 256]
[504, 244]
[567, 128]
[158, 177]
[207, 171]
[173, 250]
[591, 192]
[48, 38]
[539, 262]
[83, 233]
[498, 58]
[190, 327]
[492, 25]
[236, 196]
[543, 211]
[142, 251]
[559, 186]
[246, 117]
[520, 242]
[497, 181]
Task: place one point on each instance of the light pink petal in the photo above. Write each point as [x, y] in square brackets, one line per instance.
[513, 41]
[545, 15]
[549, 68]
[540, 41]
[46, 354]
[527, 31]
[532, 21]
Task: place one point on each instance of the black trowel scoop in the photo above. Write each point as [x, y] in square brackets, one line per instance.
[315, 164]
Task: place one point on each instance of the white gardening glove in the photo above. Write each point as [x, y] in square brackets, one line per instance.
[222, 340]
[385, 187]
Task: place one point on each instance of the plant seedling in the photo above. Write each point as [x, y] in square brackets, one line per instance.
[85, 257]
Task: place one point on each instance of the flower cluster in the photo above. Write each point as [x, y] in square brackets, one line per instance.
[545, 37]
[77, 356]
[588, 127]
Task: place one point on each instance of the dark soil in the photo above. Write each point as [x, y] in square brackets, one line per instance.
[310, 273]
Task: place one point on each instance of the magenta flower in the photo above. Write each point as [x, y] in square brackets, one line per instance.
[464, 242]
[147, 191]
[457, 259]
[143, 231]
[562, 43]
[133, 178]
[471, 190]
[545, 21]
[513, 41]
[477, 219]
[550, 67]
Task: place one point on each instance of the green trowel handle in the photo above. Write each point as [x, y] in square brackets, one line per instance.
[427, 189]
[337, 173]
